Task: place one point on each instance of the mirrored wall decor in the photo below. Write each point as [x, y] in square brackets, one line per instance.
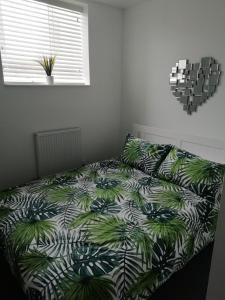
[193, 83]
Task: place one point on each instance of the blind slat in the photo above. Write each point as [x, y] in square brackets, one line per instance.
[11, 33]
[21, 14]
[23, 49]
[14, 40]
[39, 30]
[36, 6]
[72, 27]
[29, 60]
[11, 53]
[27, 65]
[40, 71]
[33, 29]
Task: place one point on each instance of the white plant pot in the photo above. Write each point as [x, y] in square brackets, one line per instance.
[50, 80]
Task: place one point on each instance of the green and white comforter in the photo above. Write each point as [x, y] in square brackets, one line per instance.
[106, 231]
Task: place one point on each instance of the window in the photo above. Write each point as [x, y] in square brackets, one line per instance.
[31, 29]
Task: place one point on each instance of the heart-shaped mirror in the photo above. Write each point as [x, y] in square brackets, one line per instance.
[193, 84]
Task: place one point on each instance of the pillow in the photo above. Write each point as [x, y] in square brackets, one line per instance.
[143, 155]
[201, 176]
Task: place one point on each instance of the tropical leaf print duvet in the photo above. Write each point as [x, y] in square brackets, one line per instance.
[106, 231]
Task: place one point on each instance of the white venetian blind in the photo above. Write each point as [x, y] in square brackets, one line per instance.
[31, 29]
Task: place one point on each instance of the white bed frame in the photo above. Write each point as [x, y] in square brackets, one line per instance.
[207, 148]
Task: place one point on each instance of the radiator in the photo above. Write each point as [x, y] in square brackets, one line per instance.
[57, 150]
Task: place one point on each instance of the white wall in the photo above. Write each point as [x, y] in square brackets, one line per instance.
[96, 109]
[157, 34]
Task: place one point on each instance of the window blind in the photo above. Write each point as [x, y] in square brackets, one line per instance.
[31, 29]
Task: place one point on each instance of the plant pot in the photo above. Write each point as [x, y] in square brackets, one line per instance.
[50, 80]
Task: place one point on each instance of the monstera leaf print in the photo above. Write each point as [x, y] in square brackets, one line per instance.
[72, 200]
[34, 224]
[103, 206]
[90, 260]
[116, 234]
[108, 231]
[87, 263]
[109, 189]
[163, 260]
[164, 223]
[99, 207]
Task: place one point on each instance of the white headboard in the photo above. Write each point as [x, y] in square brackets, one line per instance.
[207, 148]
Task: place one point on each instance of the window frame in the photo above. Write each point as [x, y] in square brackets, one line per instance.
[72, 5]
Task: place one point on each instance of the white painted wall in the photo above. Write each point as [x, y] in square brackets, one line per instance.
[96, 109]
[157, 33]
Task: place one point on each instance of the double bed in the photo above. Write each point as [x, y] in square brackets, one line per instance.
[115, 229]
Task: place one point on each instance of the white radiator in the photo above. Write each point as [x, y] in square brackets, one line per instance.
[58, 150]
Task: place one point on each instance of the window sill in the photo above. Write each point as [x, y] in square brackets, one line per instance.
[45, 84]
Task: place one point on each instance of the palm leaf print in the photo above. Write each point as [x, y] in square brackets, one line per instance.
[108, 189]
[163, 260]
[203, 171]
[34, 223]
[134, 194]
[6, 195]
[127, 272]
[95, 288]
[190, 171]
[172, 199]
[5, 211]
[132, 151]
[109, 231]
[34, 262]
[143, 155]
[144, 286]
[98, 208]
[164, 223]
[63, 194]
[26, 231]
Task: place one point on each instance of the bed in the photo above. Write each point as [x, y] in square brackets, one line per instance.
[115, 229]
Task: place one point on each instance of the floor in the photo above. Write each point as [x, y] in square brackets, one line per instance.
[189, 283]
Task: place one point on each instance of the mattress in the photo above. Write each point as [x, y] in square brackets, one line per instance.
[105, 231]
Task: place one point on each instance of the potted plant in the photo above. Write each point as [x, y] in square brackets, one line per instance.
[48, 62]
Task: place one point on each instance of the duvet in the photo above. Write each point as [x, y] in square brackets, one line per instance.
[105, 231]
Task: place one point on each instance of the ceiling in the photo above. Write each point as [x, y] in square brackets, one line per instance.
[119, 3]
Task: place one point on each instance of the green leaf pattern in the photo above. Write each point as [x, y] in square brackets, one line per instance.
[143, 155]
[201, 176]
[106, 231]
